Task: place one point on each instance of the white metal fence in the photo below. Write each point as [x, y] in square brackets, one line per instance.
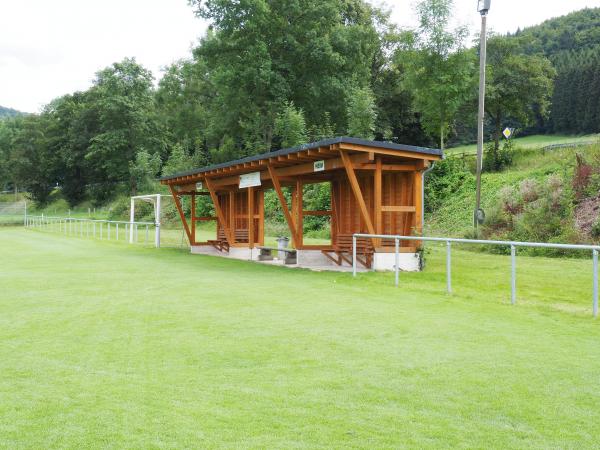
[594, 249]
[115, 230]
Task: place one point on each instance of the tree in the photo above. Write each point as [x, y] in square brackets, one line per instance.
[123, 100]
[178, 161]
[143, 170]
[290, 126]
[361, 113]
[439, 67]
[518, 86]
[261, 54]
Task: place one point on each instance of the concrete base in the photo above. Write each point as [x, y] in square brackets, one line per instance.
[242, 253]
[314, 258]
[407, 262]
[206, 250]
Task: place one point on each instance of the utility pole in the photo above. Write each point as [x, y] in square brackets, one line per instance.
[483, 6]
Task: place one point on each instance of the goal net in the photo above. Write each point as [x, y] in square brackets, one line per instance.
[13, 213]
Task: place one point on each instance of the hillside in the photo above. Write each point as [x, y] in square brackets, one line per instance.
[577, 31]
[8, 112]
[533, 168]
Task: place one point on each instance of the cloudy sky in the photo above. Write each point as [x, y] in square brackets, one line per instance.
[52, 47]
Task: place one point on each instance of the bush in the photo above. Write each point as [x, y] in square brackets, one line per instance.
[446, 178]
[496, 161]
[595, 232]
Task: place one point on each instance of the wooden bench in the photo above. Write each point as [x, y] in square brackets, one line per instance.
[342, 250]
[221, 243]
[266, 254]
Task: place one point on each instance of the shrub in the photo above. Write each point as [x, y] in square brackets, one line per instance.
[447, 177]
[497, 160]
[595, 232]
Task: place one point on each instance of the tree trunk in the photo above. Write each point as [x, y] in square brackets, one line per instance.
[497, 134]
[442, 136]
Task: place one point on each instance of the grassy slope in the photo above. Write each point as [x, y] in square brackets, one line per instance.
[455, 217]
[536, 141]
[108, 346]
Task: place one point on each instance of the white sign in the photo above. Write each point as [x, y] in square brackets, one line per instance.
[250, 180]
[199, 186]
[319, 166]
[508, 132]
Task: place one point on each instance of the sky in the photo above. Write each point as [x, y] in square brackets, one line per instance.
[49, 48]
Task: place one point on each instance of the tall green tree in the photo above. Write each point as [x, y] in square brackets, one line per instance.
[122, 97]
[518, 86]
[260, 54]
[439, 67]
[361, 113]
[290, 126]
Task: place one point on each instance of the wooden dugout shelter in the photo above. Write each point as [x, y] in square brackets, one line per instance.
[376, 188]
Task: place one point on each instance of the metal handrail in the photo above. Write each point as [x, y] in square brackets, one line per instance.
[513, 253]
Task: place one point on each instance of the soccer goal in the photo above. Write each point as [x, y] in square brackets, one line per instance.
[13, 213]
[168, 236]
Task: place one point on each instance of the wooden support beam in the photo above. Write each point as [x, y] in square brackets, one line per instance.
[205, 219]
[396, 153]
[357, 192]
[299, 215]
[181, 214]
[232, 215]
[286, 211]
[377, 200]
[316, 213]
[250, 217]
[261, 217]
[193, 214]
[219, 211]
[418, 202]
[295, 170]
[406, 209]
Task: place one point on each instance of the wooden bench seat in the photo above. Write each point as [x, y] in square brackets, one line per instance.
[221, 243]
[342, 250]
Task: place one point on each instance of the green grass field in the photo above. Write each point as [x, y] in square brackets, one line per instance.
[113, 346]
[527, 142]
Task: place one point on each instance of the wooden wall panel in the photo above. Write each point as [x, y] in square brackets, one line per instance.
[397, 190]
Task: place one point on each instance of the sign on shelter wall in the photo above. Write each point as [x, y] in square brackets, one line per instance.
[250, 180]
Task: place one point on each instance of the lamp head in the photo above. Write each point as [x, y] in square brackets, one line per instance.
[483, 6]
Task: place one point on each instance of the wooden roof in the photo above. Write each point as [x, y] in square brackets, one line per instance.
[321, 150]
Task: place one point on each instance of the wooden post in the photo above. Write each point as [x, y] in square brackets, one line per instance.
[377, 178]
[357, 192]
[286, 211]
[418, 202]
[232, 215]
[261, 217]
[181, 215]
[219, 211]
[299, 214]
[250, 217]
[193, 208]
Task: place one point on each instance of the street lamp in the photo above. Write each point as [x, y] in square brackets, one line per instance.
[483, 6]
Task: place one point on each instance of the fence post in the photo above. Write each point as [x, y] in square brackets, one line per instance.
[353, 255]
[396, 260]
[448, 268]
[513, 274]
[131, 219]
[595, 265]
[117, 232]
